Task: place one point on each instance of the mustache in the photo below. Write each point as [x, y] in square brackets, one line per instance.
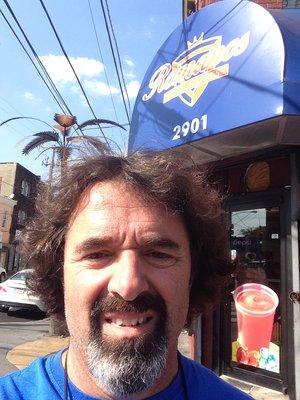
[142, 303]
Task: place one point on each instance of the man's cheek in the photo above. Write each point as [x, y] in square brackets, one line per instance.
[83, 288]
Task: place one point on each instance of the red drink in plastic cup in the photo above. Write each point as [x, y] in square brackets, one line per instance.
[255, 306]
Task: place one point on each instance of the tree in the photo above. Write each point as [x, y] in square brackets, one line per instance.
[64, 140]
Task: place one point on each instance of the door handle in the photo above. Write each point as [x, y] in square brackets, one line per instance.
[294, 296]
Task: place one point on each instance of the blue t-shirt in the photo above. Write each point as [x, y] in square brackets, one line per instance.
[43, 379]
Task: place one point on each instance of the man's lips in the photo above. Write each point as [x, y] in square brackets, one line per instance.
[128, 325]
[128, 319]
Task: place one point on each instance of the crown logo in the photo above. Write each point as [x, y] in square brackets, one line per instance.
[196, 41]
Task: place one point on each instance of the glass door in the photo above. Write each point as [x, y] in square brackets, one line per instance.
[252, 327]
[255, 248]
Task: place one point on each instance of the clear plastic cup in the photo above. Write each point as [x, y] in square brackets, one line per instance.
[255, 306]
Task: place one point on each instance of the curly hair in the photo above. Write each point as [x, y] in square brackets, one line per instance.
[163, 178]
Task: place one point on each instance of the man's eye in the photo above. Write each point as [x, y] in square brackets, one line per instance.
[97, 256]
[160, 258]
[159, 255]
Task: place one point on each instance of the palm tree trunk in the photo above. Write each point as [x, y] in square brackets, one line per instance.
[51, 167]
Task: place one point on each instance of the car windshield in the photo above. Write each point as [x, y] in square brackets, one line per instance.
[20, 276]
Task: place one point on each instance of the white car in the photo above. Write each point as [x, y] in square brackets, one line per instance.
[2, 274]
[14, 293]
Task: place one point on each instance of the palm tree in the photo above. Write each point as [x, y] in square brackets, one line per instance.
[64, 139]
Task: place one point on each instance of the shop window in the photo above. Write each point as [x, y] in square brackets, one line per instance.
[21, 217]
[291, 4]
[189, 7]
[4, 219]
[25, 190]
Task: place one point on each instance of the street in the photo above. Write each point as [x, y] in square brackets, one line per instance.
[17, 327]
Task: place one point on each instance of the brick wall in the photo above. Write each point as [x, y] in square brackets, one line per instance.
[264, 3]
[12, 175]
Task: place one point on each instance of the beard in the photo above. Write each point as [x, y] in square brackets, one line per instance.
[127, 366]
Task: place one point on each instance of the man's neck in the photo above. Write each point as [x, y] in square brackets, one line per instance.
[80, 376]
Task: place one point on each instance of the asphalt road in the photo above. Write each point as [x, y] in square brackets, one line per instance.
[17, 327]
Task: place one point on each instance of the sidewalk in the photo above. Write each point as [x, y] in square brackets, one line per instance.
[22, 355]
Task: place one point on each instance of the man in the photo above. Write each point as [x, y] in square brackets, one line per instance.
[127, 249]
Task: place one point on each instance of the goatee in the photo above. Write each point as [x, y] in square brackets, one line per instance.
[127, 366]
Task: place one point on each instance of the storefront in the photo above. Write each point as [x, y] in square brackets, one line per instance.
[225, 86]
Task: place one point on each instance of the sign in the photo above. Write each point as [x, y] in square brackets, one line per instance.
[245, 243]
[221, 69]
[255, 309]
[187, 77]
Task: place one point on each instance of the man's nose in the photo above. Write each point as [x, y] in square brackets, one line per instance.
[128, 279]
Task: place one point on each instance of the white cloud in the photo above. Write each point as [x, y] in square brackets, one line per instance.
[100, 88]
[148, 34]
[129, 75]
[152, 20]
[129, 62]
[31, 97]
[83, 101]
[133, 88]
[61, 72]
[74, 89]
[48, 109]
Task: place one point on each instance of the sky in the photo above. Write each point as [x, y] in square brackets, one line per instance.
[140, 27]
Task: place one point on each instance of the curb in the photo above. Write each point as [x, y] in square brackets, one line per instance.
[23, 354]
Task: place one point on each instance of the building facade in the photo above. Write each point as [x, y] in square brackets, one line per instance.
[18, 184]
[6, 214]
[225, 87]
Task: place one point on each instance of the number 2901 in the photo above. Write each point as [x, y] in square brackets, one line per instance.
[189, 127]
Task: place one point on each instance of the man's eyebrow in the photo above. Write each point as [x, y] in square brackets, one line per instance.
[160, 242]
[92, 244]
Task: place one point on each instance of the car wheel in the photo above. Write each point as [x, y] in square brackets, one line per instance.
[2, 277]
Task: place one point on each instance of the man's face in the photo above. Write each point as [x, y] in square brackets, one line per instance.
[126, 275]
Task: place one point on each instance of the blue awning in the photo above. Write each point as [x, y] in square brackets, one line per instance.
[225, 82]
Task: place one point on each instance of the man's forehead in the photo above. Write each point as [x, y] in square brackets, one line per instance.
[111, 193]
[114, 194]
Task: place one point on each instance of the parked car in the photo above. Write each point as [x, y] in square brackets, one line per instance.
[2, 274]
[14, 293]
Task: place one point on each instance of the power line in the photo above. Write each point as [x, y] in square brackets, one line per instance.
[11, 127]
[105, 73]
[71, 65]
[27, 53]
[114, 59]
[101, 57]
[38, 60]
[40, 63]
[17, 111]
[118, 54]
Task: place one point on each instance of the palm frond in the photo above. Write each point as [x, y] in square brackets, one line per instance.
[97, 121]
[90, 140]
[34, 143]
[14, 118]
[51, 135]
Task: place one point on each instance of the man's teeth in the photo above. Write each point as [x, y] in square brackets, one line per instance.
[131, 322]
